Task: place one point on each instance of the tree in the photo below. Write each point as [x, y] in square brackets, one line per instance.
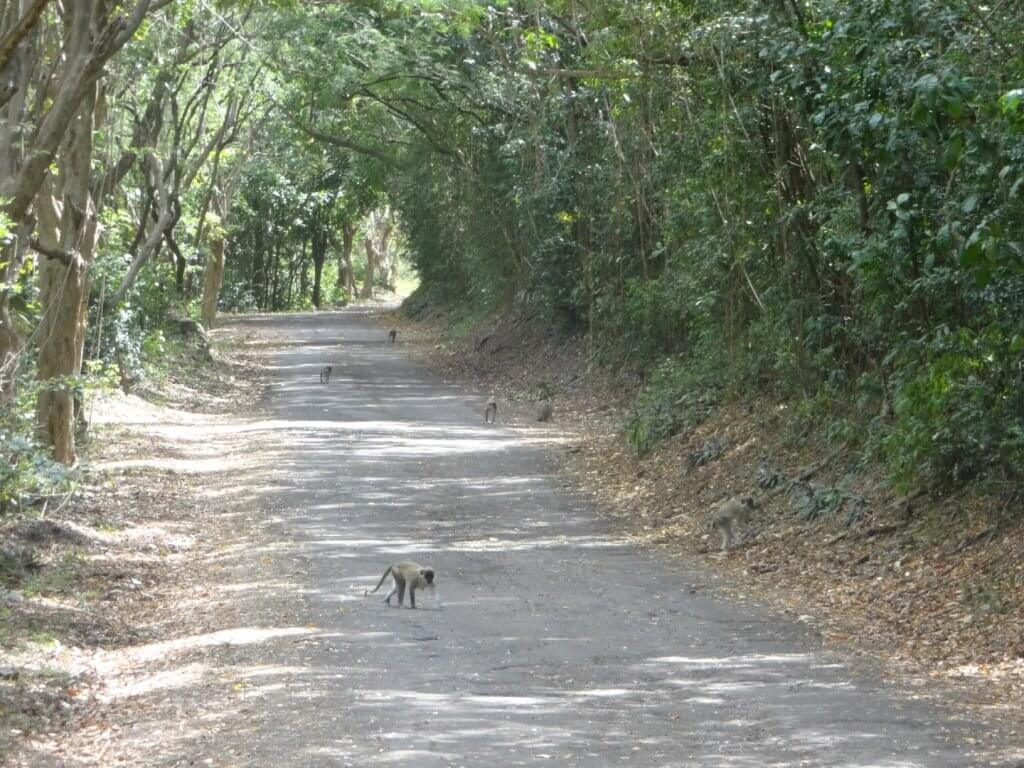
[51, 83]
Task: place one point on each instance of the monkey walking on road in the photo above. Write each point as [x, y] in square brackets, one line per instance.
[545, 412]
[392, 335]
[491, 412]
[325, 375]
[406, 574]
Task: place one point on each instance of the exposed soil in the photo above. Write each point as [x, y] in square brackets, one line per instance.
[99, 580]
[932, 586]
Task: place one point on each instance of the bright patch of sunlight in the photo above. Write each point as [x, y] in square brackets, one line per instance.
[551, 542]
[160, 681]
[507, 701]
[416, 697]
[737, 687]
[710, 701]
[237, 636]
[253, 586]
[405, 755]
[747, 660]
[604, 693]
[177, 466]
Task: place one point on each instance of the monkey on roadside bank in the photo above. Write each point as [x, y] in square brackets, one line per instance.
[491, 412]
[545, 412]
[392, 335]
[406, 574]
[325, 375]
[730, 515]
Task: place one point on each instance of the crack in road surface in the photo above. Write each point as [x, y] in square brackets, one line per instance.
[552, 641]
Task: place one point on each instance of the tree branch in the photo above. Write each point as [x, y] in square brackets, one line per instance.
[67, 257]
[19, 30]
[345, 143]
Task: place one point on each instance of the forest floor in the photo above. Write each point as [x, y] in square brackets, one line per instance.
[934, 588]
[98, 584]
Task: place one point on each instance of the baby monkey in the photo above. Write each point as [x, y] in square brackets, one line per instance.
[731, 515]
[491, 412]
[392, 335]
[545, 412]
[325, 375]
[406, 573]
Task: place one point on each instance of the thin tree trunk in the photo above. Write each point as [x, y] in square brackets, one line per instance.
[11, 257]
[213, 277]
[275, 279]
[346, 274]
[179, 271]
[303, 274]
[371, 263]
[319, 243]
[18, 71]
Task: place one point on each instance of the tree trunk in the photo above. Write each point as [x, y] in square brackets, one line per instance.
[63, 225]
[392, 275]
[10, 341]
[11, 258]
[346, 275]
[64, 290]
[388, 255]
[371, 262]
[259, 278]
[179, 271]
[275, 279]
[213, 276]
[319, 242]
[303, 275]
[18, 68]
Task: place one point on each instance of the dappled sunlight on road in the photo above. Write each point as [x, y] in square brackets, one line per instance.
[555, 641]
[235, 636]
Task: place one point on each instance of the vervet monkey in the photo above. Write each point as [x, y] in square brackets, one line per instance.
[393, 334]
[545, 412]
[491, 412]
[730, 515]
[406, 573]
[325, 374]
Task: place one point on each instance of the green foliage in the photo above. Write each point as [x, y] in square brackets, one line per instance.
[707, 453]
[821, 202]
[654, 319]
[962, 415]
[675, 400]
[27, 472]
[824, 207]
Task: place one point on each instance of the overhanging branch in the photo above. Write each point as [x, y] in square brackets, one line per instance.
[67, 257]
[345, 143]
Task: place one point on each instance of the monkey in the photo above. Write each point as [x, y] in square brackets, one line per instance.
[491, 413]
[545, 412]
[730, 515]
[393, 335]
[406, 573]
[325, 375]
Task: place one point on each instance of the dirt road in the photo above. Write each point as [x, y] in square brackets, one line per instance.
[553, 642]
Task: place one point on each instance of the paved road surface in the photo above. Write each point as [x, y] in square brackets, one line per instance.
[553, 642]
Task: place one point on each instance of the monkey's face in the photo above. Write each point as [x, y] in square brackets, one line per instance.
[428, 575]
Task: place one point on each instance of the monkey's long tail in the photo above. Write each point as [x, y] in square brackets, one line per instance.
[379, 582]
